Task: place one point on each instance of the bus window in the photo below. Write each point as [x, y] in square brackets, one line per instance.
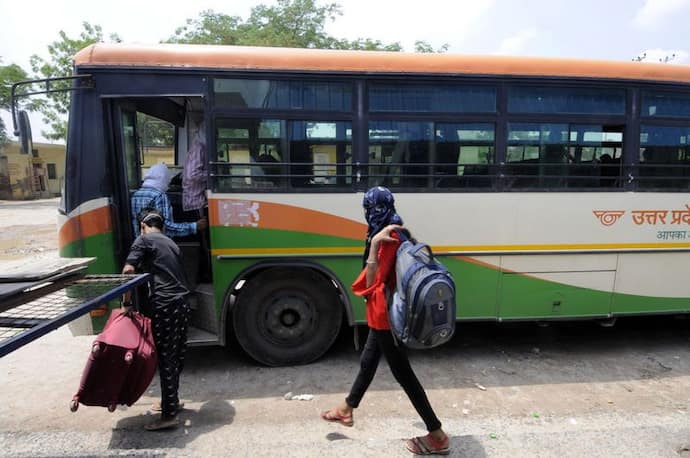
[665, 104]
[566, 100]
[146, 141]
[664, 157]
[400, 153]
[129, 147]
[157, 142]
[323, 151]
[563, 155]
[463, 154]
[240, 144]
[274, 154]
[295, 94]
[445, 98]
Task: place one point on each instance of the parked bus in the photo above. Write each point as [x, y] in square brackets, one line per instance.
[552, 189]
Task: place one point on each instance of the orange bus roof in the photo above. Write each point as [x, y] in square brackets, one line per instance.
[290, 59]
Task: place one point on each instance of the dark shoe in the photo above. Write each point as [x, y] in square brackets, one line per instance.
[163, 423]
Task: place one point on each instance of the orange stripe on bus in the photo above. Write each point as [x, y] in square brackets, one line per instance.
[287, 218]
[87, 224]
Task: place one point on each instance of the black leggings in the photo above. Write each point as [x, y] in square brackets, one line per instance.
[382, 342]
[169, 325]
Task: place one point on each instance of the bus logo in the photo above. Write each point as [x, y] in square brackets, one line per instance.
[241, 213]
[608, 217]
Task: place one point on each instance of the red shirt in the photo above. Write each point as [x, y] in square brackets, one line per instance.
[375, 294]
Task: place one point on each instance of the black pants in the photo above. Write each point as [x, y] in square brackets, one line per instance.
[382, 342]
[169, 323]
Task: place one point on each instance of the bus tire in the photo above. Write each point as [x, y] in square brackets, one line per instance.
[287, 317]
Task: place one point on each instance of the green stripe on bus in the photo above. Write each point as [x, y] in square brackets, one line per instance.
[244, 237]
[100, 246]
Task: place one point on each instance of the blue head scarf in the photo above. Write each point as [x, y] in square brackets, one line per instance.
[379, 211]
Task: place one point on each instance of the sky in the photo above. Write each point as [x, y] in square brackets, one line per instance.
[599, 29]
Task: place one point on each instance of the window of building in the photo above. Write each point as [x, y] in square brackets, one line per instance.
[52, 172]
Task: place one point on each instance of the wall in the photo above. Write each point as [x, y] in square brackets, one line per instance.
[25, 176]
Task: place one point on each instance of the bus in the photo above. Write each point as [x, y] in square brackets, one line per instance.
[552, 189]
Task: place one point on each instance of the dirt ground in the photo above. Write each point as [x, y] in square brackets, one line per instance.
[569, 390]
[28, 229]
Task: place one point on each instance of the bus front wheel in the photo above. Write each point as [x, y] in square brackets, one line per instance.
[286, 317]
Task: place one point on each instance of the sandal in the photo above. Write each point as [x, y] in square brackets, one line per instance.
[162, 423]
[427, 445]
[335, 416]
[156, 406]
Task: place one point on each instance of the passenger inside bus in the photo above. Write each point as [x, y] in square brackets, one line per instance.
[152, 194]
[194, 176]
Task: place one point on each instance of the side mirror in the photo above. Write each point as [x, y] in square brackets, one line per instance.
[24, 132]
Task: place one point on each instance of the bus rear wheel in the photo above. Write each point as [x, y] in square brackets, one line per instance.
[284, 317]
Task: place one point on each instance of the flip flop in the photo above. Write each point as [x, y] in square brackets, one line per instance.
[427, 445]
[162, 424]
[334, 416]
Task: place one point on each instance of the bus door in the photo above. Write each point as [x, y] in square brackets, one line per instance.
[126, 162]
[148, 131]
[152, 130]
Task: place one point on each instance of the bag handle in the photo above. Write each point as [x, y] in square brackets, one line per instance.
[139, 320]
[419, 247]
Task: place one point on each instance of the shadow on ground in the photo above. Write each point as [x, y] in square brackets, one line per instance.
[504, 354]
[129, 433]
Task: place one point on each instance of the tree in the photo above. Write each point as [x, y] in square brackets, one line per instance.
[9, 74]
[290, 23]
[366, 44]
[210, 28]
[59, 65]
[424, 47]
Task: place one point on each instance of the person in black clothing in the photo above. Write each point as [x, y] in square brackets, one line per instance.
[156, 253]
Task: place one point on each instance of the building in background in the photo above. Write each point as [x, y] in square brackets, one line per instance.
[31, 176]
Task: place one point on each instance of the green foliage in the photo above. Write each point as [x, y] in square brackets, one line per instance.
[154, 131]
[424, 47]
[9, 74]
[366, 44]
[289, 23]
[210, 28]
[61, 52]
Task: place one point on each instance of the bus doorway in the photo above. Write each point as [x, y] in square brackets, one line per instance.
[151, 131]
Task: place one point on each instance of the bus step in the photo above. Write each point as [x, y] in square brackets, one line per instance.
[200, 337]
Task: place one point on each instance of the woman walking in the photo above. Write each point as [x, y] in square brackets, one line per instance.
[377, 275]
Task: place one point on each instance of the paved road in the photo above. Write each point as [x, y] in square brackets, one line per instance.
[571, 390]
[501, 391]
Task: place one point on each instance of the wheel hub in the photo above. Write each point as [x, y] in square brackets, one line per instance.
[288, 318]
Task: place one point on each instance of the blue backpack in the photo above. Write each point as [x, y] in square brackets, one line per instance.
[422, 311]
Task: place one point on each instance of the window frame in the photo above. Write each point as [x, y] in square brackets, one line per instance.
[360, 118]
